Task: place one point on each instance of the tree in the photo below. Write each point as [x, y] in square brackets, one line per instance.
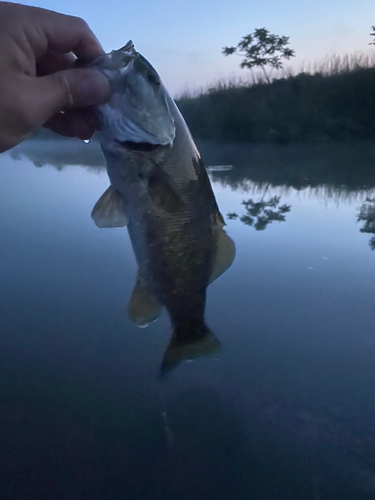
[262, 49]
[372, 34]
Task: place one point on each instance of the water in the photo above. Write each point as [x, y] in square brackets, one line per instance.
[285, 412]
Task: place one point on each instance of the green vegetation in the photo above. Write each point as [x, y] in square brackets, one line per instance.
[373, 35]
[261, 49]
[333, 103]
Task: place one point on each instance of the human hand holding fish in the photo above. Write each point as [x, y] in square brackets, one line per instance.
[158, 188]
[39, 85]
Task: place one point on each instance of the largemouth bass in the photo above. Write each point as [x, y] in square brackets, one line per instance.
[161, 191]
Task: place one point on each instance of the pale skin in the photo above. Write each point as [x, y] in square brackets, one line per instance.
[39, 85]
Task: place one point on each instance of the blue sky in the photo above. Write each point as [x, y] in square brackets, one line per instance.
[183, 40]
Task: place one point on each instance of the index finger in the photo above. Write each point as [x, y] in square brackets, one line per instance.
[64, 34]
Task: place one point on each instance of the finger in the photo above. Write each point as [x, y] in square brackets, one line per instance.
[53, 61]
[81, 123]
[71, 88]
[65, 34]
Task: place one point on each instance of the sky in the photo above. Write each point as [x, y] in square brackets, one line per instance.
[183, 40]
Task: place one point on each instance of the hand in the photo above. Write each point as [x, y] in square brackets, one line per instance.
[38, 84]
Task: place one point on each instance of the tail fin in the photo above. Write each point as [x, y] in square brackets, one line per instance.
[184, 348]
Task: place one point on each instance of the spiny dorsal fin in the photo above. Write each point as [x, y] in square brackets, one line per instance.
[109, 210]
[225, 253]
[144, 308]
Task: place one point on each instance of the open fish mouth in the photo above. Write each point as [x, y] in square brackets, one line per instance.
[124, 56]
[112, 61]
[144, 147]
[138, 115]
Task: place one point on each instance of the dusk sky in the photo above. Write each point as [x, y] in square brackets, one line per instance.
[183, 40]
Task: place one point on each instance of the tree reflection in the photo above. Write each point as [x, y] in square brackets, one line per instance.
[367, 214]
[337, 170]
[259, 214]
[232, 215]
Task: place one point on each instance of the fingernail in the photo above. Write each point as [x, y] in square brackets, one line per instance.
[95, 88]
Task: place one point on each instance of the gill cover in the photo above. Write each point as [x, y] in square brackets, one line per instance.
[138, 110]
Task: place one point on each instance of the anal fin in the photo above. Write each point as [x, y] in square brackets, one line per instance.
[144, 308]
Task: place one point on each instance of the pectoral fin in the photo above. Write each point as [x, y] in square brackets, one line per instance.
[109, 210]
[144, 308]
[225, 253]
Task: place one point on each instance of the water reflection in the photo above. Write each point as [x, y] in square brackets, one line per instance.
[338, 172]
[286, 412]
[259, 214]
[60, 153]
[344, 167]
[367, 214]
[332, 168]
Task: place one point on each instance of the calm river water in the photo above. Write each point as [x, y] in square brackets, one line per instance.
[285, 411]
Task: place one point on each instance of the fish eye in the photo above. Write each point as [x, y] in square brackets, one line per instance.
[152, 78]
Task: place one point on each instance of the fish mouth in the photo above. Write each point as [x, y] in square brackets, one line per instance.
[144, 147]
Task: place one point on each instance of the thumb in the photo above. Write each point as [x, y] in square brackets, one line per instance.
[71, 88]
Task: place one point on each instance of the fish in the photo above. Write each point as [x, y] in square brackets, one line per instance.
[160, 190]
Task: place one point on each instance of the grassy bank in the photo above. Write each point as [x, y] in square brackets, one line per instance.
[336, 103]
